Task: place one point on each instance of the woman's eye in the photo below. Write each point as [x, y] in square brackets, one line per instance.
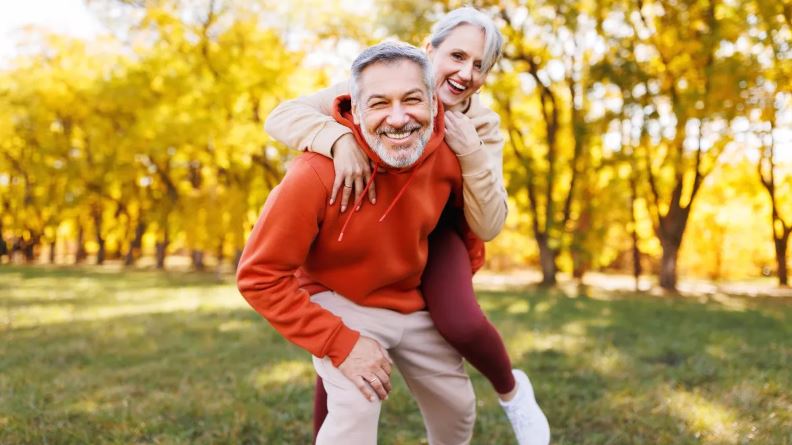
[457, 56]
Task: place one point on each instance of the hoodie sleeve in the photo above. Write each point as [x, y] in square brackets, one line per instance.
[305, 123]
[486, 204]
[277, 247]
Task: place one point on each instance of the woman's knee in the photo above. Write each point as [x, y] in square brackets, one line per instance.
[461, 329]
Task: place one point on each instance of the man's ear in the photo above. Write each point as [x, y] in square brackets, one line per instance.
[354, 113]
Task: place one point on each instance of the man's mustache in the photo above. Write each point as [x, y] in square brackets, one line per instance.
[409, 126]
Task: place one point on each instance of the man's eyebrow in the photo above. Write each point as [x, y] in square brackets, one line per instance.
[413, 91]
[382, 96]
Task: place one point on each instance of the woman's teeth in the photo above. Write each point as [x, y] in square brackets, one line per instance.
[456, 85]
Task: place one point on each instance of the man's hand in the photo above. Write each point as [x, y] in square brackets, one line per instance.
[352, 171]
[368, 366]
[460, 134]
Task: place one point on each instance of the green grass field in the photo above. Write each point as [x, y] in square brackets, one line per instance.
[93, 357]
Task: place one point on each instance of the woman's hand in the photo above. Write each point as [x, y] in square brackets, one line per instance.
[460, 134]
[352, 171]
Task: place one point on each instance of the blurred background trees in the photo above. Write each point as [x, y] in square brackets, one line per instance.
[642, 137]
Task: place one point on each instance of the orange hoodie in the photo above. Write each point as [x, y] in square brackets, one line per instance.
[297, 248]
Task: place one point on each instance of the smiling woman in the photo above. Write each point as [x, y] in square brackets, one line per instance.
[458, 59]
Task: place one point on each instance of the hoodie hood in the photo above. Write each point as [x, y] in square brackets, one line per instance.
[342, 112]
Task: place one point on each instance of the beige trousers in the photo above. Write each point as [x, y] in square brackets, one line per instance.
[431, 367]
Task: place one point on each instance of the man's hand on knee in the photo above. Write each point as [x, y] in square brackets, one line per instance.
[368, 366]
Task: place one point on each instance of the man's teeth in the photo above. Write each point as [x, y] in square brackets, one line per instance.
[399, 135]
[456, 85]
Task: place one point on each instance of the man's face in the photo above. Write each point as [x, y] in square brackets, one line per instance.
[395, 111]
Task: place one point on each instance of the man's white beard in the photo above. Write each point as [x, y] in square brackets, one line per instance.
[403, 157]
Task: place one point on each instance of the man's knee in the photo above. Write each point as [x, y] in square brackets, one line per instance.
[463, 405]
[454, 424]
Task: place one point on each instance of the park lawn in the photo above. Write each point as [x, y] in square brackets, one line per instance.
[90, 356]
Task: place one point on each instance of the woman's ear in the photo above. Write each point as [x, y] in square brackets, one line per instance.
[429, 49]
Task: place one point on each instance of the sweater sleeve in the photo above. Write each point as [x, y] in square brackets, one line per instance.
[486, 204]
[306, 123]
[277, 247]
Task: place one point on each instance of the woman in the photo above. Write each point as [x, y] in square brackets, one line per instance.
[464, 46]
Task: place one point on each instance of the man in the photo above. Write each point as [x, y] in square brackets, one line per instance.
[345, 287]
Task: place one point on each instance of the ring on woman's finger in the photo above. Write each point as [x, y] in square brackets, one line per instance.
[347, 186]
[373, 379]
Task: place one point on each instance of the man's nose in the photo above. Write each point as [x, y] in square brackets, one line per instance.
[397, 117]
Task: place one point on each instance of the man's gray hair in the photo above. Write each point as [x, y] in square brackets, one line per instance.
[493, 39]
[388, 53]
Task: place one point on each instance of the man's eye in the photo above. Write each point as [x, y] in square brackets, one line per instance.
[377, 104]
[413, 100]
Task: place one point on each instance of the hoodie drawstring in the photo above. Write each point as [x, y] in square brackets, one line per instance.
[358, 201]
[399, 195]
[363, 195]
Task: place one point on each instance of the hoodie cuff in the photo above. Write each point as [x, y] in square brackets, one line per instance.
[326, 137]
[342, 345]
[474, 162]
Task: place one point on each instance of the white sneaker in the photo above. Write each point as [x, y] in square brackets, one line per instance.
[527, 419]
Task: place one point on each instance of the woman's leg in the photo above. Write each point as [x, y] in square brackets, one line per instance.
[320, 406]
[447, 285]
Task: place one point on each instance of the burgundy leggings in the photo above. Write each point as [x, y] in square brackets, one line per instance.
[447, 286]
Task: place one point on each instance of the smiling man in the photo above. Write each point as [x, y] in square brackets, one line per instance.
[345, 287]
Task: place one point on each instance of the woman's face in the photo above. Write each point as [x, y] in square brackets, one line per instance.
[457, 64]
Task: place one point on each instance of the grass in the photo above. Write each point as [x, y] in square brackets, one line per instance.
[89, 356]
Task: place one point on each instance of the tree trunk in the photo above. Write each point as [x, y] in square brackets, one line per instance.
[668, 265]
[28, 249]
[162, 249]
[52, 245]
[81, 253]
[636, 250]
[101, 253]
[133, 253]
[219, 255]
[237, 257]
[780, 250]
[547, 259]
[3, 245]
[198, 260]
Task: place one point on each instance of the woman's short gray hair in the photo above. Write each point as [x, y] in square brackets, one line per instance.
[391, 52]
[493, 39]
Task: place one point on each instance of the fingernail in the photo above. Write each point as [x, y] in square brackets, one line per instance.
[374, 201]
[331, 202]
[357, 209]
[343, 208]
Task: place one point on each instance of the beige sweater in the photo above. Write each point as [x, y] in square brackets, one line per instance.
[305, 123]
